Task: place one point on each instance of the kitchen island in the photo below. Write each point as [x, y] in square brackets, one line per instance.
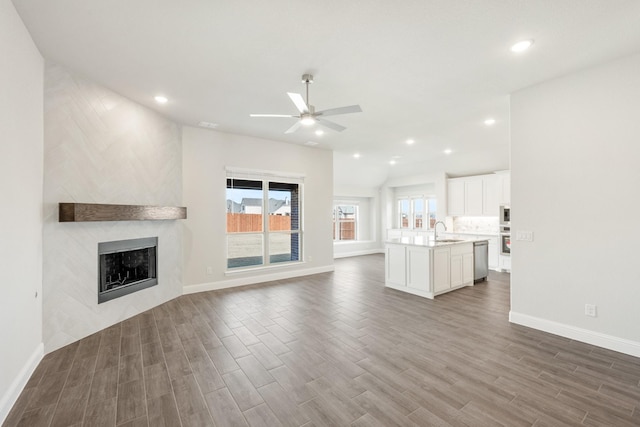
[428, 268]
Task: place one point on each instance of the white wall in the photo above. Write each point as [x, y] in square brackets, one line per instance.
[21, 207]
[205, 155]
[575, 183]
[103, 148]
[435, 183]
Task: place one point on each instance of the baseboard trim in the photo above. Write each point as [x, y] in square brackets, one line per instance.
[252, 280]
[358, 253]
[610, 342]
[11, 396]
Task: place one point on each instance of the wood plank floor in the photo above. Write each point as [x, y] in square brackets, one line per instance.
[333, 349]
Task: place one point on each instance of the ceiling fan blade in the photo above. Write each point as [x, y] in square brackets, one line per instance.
[299, 101]
[330, 125]
[340, 110]
[271, 115]
[293, 128]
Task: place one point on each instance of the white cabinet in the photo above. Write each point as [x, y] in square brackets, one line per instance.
[395, 260]
[461, 265]
[418, 268]
[494, 253]
[504, 187]
[393, 234]
[491, 193]
[474, 195]
[455, 197]
[505, 263]
[456, 271]
[467, 267]
[441, 271]
[428, 270]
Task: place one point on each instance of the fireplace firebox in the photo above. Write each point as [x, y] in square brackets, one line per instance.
[126, 266]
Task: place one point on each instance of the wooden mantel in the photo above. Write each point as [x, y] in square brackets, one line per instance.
[79, 212]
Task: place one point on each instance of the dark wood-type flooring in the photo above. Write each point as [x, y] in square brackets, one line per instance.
[333, 349]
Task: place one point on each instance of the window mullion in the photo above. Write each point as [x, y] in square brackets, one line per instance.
[265, 222]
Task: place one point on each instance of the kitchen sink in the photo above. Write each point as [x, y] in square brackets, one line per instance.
[449, 240]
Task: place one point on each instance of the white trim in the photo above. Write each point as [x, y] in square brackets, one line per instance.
[261, 174]
[359, 253]
[599, 339]
[261, 267]
[11, 396]
[251, 280]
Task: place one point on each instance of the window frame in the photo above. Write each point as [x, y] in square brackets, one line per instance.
[426, 212]
[336, 221]
[265, 179]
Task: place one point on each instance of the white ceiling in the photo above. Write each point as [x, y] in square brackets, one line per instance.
[431, 70]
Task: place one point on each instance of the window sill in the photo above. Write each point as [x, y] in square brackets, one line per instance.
[262, 268]
[351, 242]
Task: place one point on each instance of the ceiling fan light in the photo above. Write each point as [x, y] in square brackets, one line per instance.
[307, 120]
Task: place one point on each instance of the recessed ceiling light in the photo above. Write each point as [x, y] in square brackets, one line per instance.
[311, 143]
[356, 155]
[521, 46]
[319, 132]
[160, 99]
[448, 151]
[490, 122]
[410, 141]
[392, 162]
[208, 125]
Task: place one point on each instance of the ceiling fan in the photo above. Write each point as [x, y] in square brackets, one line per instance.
[308, 114]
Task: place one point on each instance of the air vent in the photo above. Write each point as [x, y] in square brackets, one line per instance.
[208, 125]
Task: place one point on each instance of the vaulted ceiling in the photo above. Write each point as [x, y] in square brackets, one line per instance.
[427, 70]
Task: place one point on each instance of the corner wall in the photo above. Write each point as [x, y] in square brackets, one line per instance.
[574, 177]
[21, 148]
[205, 155]
[103, 148]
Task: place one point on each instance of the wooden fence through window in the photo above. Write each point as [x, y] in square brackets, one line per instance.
[244, 223]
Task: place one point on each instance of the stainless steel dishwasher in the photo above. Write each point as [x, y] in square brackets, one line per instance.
[480, 261]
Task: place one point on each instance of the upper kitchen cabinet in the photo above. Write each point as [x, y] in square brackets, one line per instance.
[491, 195]
[455, 197]
[474, 195]
[504, 187]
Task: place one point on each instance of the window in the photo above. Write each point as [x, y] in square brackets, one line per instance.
[345, 222]
[417, 213]
[263, 222]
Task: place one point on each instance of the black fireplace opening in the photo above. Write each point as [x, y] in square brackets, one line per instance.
[126, 266]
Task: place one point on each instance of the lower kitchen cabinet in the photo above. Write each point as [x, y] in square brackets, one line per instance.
[494, 253]
[418, 270]
[505, 263]
[441, 270]
[461, 265]
[429, 270]
[395, 265]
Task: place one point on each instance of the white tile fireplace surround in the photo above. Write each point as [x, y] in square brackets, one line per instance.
[102, 148]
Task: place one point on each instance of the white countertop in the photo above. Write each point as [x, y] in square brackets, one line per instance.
[470, 233]
[429, 243]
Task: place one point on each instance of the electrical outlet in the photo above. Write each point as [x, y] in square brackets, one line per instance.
[526, 236]
[309, 258]
[209, 270]
[591, 310]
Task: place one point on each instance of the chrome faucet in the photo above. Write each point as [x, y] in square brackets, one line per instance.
[435, 229]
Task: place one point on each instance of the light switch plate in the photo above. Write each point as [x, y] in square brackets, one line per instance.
[525, 236]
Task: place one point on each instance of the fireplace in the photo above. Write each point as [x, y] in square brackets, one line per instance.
[126, 266]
